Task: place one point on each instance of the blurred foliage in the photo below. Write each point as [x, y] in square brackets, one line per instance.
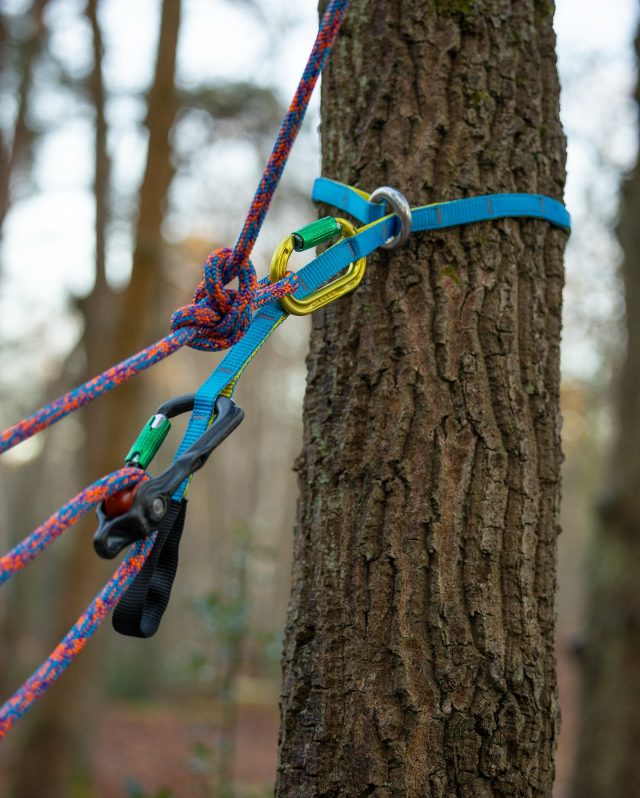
[134, 790]
[249, 108]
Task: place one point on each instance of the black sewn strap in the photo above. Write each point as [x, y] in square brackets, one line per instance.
[140, 610]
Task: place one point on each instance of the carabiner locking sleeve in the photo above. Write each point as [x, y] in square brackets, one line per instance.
[309, 236]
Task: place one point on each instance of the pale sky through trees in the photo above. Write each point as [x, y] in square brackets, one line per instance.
[48, 244]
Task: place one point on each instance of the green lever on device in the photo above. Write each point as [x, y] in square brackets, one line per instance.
[316, 233]
[148, 442]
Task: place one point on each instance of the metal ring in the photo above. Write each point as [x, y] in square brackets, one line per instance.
[402, 209]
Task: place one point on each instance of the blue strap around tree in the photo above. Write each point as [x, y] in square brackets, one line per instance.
[325, 267]
[445, 214]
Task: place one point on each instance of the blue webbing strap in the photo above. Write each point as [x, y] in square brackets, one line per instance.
[264, 323]
[444, 214]
[325, 267]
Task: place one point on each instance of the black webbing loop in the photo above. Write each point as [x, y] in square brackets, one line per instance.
[140, 609]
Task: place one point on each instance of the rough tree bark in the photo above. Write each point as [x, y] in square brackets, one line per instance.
[608, 760]
[419, 651]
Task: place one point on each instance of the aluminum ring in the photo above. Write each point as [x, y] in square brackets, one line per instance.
[402, 209]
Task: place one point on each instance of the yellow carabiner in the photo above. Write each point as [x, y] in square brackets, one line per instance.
[322, 296]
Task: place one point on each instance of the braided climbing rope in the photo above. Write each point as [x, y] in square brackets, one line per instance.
[75, 639]
[28, 549]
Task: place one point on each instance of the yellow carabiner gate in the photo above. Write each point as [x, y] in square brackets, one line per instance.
[304, 239]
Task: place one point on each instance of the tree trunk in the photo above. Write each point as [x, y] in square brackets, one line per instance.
[12, 152]
[419, 651]
[608, 761]
[116, 325]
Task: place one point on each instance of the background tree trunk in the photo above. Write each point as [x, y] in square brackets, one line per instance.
[419, 652]
[608, 761]
[13, 152]
[116, 325]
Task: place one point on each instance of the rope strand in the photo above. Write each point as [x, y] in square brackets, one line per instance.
[28, 549]
[75, 640]
[94, 388]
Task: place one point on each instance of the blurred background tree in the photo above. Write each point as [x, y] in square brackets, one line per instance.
[22, 43]
[608, 762]
[115, 323]
[163, 724]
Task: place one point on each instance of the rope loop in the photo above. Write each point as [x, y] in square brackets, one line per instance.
[220, 314]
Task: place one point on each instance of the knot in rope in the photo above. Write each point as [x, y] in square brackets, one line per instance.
[220, 314]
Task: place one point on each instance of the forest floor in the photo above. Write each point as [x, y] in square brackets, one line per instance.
[176, 749]
[158, 751]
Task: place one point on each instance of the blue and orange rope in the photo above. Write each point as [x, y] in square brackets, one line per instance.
[75, 640]
[28, 549]
[217, 318]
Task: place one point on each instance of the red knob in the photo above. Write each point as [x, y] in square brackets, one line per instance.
[119, 503]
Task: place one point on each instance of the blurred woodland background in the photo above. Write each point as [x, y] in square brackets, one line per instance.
[132, 139]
